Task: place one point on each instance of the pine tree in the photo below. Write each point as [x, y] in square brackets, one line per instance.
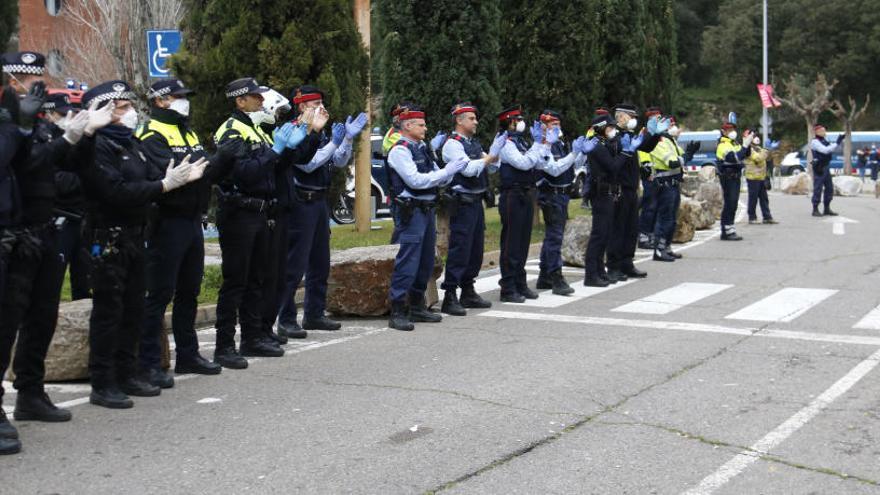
[437, 53]
[282, 43]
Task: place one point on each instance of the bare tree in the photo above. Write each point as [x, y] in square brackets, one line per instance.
[112, 40]
[808, 102]
[849, 116]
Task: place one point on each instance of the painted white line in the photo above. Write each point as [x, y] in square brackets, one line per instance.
[838, 229]
[687, 327]
[871, 321]
[209, 400]
[784, 305]
[838, 224]
[779, 434]
[490, 283]
[546, 299]
[669, 300]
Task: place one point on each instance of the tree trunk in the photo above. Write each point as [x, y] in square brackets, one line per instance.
[810, 135]
[847, 148]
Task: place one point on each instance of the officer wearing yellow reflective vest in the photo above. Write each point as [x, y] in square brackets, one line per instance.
[246, 196]
[175, 245]
[729, 158]
[667, 160]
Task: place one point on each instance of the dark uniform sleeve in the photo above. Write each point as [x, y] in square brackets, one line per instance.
[157, 151]
[609, 165]
[104, 179]
[255, 169]
[650, 143]
[45, 153]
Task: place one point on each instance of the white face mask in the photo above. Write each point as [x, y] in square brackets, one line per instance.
[560, 132]
[611, 134]
[756, 141]
[732, 135]
[129, 119]
[674, 131]
[520, 126]
[631, 124]
[181, 106]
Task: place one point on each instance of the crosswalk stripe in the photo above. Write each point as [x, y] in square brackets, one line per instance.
[784, 305]
[546, 299]
[871, 321]
[669, 300]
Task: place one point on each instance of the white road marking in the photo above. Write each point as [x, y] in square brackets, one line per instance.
[838, 224]
[784, 305]
[687, 327]
[209, 400]
[669, 300]
[779, 434]
[871, 321]
[546, 299]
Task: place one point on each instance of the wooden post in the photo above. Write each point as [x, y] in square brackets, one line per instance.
[362, 166]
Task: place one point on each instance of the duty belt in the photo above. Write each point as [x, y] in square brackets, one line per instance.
[609, 189]
[666, 173]
[309, 195]
[551, 189]
[248, 203]
[423, 204]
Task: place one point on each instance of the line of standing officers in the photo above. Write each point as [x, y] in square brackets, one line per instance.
[89, 188]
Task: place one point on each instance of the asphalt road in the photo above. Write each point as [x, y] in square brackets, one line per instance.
[746, 367]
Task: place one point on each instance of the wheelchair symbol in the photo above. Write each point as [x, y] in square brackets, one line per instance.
[160, 55]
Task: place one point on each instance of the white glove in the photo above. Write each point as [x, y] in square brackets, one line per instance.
[75, 126]
[455, 167]
[197, 170]
[98, 118]
[176, 176]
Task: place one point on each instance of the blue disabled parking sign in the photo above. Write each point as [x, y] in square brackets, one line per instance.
[161, 45]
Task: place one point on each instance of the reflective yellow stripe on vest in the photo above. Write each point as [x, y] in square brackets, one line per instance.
[248, 133]
[170, 132]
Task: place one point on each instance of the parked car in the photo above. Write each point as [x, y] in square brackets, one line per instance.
[342, 210]
[708, 144]
[796, 161]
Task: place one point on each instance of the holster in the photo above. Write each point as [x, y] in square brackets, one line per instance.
[404, 209]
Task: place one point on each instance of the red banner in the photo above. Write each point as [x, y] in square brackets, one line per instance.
[765, 91]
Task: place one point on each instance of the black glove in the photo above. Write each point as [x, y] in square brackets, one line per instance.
[28, 245]
[841, 137]
[31, 105]
[692, 147]
[231, 149]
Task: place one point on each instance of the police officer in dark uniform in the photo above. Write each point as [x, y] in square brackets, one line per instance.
[246, 197]
[648, 201]
[822, 151]
[70, 203]
[467, 223]
[729, 156]
[175, 244]
[415, 179]
[612, 154]
[121, 185]
[624, 231]
[308, 250]
[16, 126]
[553, 199]
[519, 163]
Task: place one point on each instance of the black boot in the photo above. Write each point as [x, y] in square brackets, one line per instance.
[292, 331]
[157, 377]
[9, 446]
[260, 347]
[728, 233]
[7, 431]
[816, 212]
[399, 319]
[451, 305]
[36, 406]
[197, 366]
[594, 280]
[278, 338]
[228, 357]
[672, 253]
[419, 312]
[470, 299]
[632, 272]
[645, 242]
[320, 323]
[660, 253]
[133, 385]
[512, 297]
[110, 397]
[545, 281]
[828, 212]
[527, 293]
[616, 275]
[560, 285]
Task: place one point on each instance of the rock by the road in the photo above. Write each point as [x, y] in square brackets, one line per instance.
[68, 356]
[847, 185]
[693, 215]
[360, 279]
[869, 186]
[574, 241]
[709, 193]
[798, 184]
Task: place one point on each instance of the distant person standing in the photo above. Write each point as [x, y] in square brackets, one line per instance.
[756, 179]
[873, 161]
[862, 161]
[822, 151]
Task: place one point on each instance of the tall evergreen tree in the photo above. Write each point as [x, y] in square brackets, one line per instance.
[8, 22]
[283, 43]
[439, 52]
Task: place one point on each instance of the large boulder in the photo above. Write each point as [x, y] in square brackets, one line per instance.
[690, 183]
[707, 174]
[869, 186]
[798, 184]
[360, 279]
[68, 356]
[710, 195]
[689, 215]
[847, 185]
[574, 241]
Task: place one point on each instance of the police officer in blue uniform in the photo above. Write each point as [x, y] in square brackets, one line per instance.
[175, 243]
[415, 179]
[822, 151]
[553, 200]
[608, 157]
[648, 201]
[519, 164]
[246, 197]
[309, 247]
[467, 223]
